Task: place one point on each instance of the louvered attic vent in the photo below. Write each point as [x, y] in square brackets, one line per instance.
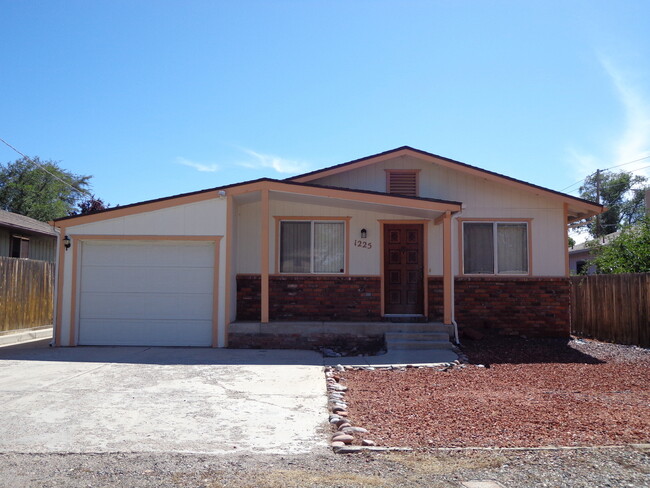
[402, 182]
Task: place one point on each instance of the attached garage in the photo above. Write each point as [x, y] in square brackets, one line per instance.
[143, 292]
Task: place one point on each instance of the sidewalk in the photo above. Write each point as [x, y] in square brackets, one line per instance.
[27, 335]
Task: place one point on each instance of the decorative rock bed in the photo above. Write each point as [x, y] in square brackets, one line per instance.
[344, 433]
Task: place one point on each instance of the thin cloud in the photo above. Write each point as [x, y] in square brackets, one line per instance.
[205, 168]
[281, 165]
[633, 143]
[635, 140]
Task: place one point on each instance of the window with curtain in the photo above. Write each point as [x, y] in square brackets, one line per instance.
[495, 248]
[312, 247]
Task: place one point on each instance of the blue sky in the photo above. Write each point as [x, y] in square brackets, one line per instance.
[155, 98]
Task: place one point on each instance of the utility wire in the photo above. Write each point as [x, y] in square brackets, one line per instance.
[27, 158]
[606, 169]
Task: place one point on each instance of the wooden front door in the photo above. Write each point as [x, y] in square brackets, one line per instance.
[403, 269]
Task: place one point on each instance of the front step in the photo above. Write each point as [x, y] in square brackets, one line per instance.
[416, 336]
[421, 336]
[419, 345]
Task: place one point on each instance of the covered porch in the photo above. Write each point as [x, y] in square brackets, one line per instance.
[371, 257]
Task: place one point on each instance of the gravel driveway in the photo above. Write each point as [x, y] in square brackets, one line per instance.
[136, 399]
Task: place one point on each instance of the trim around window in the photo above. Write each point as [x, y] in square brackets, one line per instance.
[316, 267]
[493, 268]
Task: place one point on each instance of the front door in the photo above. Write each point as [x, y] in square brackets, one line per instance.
[403, 269]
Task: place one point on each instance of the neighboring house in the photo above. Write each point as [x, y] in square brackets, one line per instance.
[401, 235]
[580, 255]
[24, 237]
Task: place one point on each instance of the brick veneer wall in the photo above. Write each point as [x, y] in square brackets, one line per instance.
[534, 307]
[311, 298]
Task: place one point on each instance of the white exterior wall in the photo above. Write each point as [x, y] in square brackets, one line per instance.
[481, 198]
[207, 218]
[363, 262]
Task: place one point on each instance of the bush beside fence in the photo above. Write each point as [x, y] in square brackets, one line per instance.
[26, 293]
[612, 308]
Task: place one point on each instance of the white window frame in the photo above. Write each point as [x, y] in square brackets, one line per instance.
[495, 238]
[337, 220]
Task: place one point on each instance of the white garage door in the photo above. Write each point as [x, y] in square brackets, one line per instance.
[146, 293]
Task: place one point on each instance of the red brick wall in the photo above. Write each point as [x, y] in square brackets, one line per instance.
[534, 307]
[317, 298]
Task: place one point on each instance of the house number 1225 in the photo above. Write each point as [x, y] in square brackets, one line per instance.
[363, 244]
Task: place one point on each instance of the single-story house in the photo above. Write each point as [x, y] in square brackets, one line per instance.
[400, 235]
[580, 255]
[27, 238]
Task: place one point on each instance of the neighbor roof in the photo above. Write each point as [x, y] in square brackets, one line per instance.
[25, 224]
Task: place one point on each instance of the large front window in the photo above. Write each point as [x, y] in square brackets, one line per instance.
[495, 248]
[312, 247]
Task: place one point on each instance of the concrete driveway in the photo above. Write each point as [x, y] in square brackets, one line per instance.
[138, 399]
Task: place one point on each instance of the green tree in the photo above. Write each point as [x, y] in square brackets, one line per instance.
[41, 189]
[629, 252]
[622, 193]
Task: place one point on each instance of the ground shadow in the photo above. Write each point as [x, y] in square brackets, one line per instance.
[517, 350]
[40, 351]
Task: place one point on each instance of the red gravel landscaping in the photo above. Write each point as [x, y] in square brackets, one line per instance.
[527, 393]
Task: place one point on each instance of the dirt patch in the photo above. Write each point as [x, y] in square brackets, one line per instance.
[526, 393]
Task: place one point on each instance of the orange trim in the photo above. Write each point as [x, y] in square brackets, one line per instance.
[230, 210]
[345, 220]
[265, 257]
[141, 208]
[59, 288]
[77, 238]
[447, 274]
[567, 267]
[143, 237]
[215, 295]
[453, 165]
[425, 258]
[425, 269]
[342, 194]
[72, 338]
[529, 234]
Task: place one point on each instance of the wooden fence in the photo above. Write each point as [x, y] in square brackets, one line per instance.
[612, 308]
[26, 293]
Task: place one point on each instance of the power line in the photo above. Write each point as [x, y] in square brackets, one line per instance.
[606, 169]
[30, 160]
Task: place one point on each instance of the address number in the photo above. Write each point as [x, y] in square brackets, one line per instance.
[363, 244]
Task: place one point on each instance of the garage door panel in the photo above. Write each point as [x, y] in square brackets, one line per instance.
[157, 293]
[153, 306]
[102, 332]
[156, 280]
[142, 253]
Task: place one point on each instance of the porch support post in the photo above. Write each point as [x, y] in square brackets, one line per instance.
[265, 257]
[447, 274]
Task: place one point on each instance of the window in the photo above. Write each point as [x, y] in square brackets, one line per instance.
[402, 182]
[495, 248]
[19, 247]
[312, 247]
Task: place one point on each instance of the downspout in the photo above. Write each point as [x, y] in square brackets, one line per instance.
[453, 283]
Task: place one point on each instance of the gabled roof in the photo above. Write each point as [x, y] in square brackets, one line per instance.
[25, 224]
[582, 208]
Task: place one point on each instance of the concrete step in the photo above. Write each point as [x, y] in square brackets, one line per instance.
[417, 336]
[421, 345]
[420, 327]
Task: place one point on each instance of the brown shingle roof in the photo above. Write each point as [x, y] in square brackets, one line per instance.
[26, 224]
